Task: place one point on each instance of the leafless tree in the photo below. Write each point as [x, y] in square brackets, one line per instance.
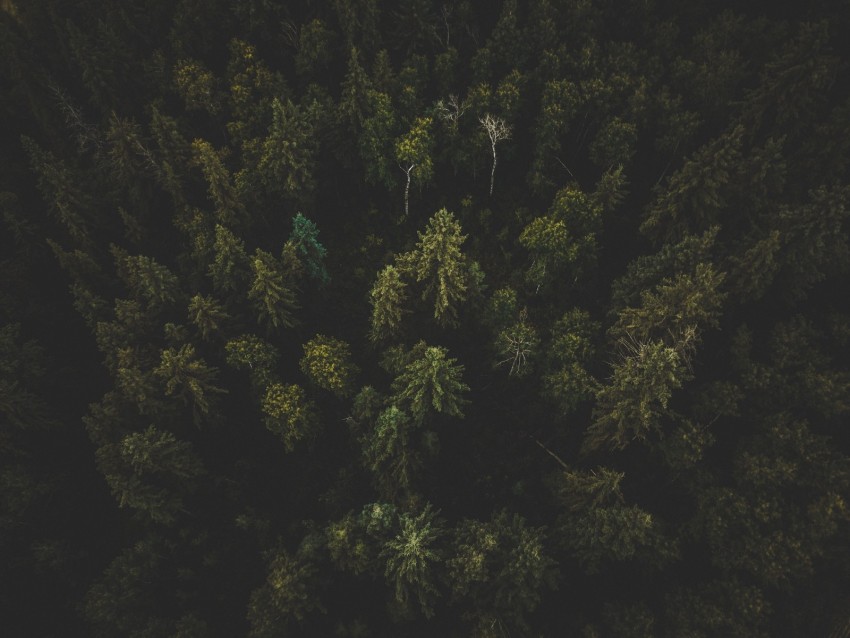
[451, 110]
[497, 130]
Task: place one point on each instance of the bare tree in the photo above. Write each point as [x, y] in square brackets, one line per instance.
[497, 130]
[451, 110]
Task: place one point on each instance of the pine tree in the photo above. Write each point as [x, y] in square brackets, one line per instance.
[387, 298]
[438, 262]
[327, 363]
[310, 251]
[272, 297]
[429, 382]
[189, 377]
[411, 556]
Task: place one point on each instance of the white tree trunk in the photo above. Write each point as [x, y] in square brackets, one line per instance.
[407, 191]
[493, 171]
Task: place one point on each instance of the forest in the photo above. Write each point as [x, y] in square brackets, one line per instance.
[457, 318]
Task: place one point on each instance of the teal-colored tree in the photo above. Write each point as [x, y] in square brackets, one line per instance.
[429, 382]
[412, 557]
[311, 253]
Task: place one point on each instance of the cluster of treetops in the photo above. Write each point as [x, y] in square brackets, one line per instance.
[355, 318]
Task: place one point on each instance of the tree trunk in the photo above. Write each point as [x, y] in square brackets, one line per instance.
[493, 171]
[407, 192]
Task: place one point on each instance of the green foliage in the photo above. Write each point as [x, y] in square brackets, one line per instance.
[222, 192]
[674, 308]
[499, 569]
[429, 382]
[151, 471]
[287, 595]
[568, 382]
[517, 345]
[230, 271]
[288, 413]
[413, 152]
[437, 261]
[327, 363]
[146, 279]
[376, 140]
[287, 156]
[602, 535]
[189, 378]
[208, 315]
[258, 356]
[631, 405]
[389, 453]
[565, 237]
[411, 558]
[272, 296]
[387, 298]
[197, 86]
[310, 252]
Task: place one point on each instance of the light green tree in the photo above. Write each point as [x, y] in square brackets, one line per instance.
[437, 261]
[327, 363]
[288, 413]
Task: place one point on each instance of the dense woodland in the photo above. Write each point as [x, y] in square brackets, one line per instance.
[365, 318]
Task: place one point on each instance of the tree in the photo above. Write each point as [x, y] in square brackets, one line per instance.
[311, 253]
[288, 413]
[497, 130]
[411, 556]
[327, 363]
[499, 569]
[449, 275]
[286, 163]
[272, 297]
[387, 298]
[189, 377]
[208, 315]
[630, 406]
[413, 153]
[429, 381]
[255, 354]
[389, 453]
